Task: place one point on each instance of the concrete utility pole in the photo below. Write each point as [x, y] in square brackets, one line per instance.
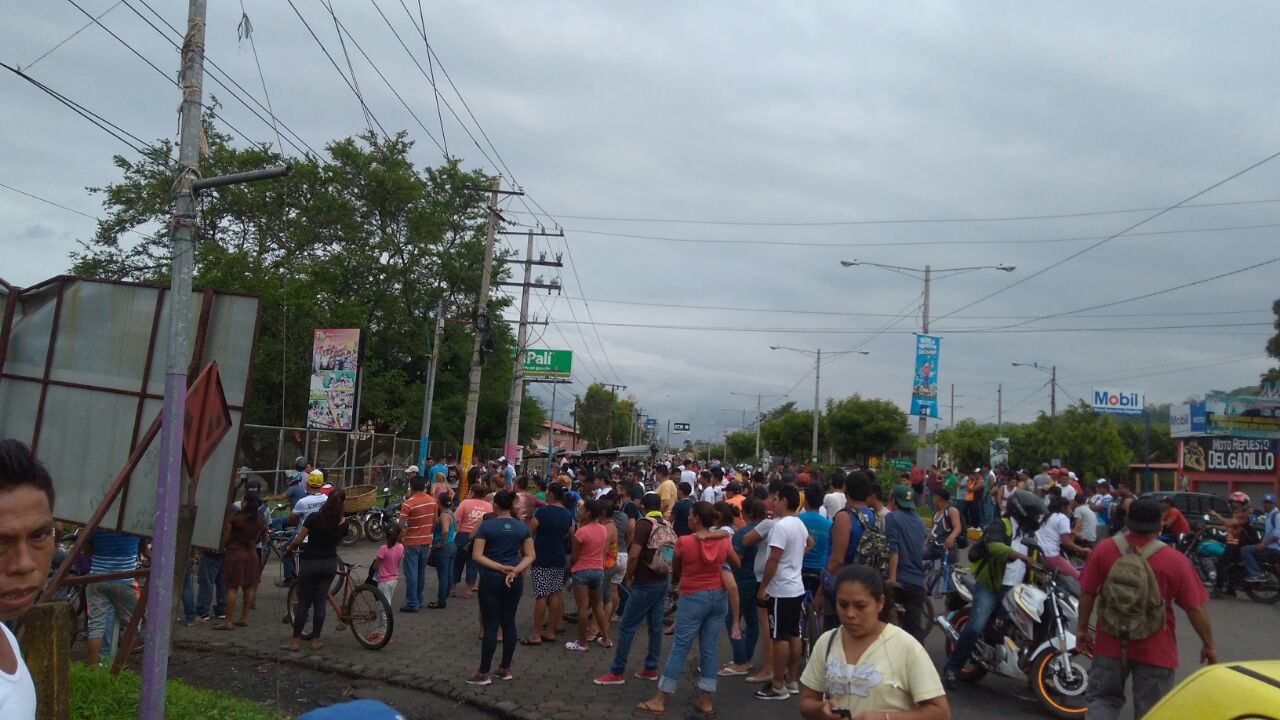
[481, 331]
[923, 430]
[613, 407]
[424, 442]
[999, 408]
[1053, 384]
[510, 447]
[817, 381]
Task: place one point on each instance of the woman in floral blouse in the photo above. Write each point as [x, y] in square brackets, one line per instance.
[867, 668]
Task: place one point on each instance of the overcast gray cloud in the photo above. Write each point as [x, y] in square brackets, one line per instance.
[793, 112]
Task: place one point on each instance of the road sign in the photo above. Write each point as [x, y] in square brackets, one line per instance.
[900, 464]
[680, 427]
[651, 423]
[206, 421]
[548, 363]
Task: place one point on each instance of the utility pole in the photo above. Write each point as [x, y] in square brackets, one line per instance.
[424, 442]
[923, 428]
[817, 381]
[999, 408]
[1053, 393]
[613, 406]
[953, 404]
[481, 334]
[757, 427]
[510, 446]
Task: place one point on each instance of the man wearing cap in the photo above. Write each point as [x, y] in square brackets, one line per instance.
[410, 473]
[905, 532]
[1269, 546]
[1042, 481]
[1101, 501]
[1150, 662]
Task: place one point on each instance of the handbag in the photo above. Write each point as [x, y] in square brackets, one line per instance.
[432, 559]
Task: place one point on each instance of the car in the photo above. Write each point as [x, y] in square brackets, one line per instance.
[1242, 690]
[1194, 505]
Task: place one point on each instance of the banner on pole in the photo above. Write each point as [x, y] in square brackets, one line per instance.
[335, 372]
[924, 388]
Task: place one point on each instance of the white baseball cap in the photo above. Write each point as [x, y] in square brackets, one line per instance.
[411, 469]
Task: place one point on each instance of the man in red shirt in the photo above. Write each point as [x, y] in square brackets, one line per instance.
[1151, 661]
[1172, 522]
[418, 519]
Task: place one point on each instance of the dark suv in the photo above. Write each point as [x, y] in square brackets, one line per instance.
[1194, 505]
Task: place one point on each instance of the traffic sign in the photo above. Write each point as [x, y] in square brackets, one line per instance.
[206, 419]
[651, 423]
[900, 464]
[680, 427]
[548, 363]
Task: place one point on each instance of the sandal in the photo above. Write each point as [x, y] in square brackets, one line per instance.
[648, 709]
[575, 646]
[603, 641]
[530, 642]
[435, 606]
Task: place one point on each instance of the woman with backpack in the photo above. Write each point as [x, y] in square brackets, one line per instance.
[867, 667]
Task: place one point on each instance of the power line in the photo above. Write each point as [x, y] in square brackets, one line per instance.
[72, 35]
[105, 125]
[334, 63]
[63, 207]
[899, 221]
[1109, 238]
[431, 66]
[245, 30]
[879, 331]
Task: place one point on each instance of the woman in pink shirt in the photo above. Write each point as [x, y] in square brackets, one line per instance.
[469, 514]
[595, 533]
[700, 613]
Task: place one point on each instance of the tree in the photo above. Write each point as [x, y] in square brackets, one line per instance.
[362, 239]
[968, 443]
[1085, 441]
[1273, 347]
[859, 429]
[790, 434]
[740, 445]
[1133, 431]
[604, 421]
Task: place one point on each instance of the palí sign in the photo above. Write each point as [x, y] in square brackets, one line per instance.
[548, 363]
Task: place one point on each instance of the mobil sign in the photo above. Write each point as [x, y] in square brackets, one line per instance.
[1117, 402]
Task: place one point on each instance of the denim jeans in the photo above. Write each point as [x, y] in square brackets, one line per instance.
[445, 557]
[415, 574]
[984, 604]
[699, 615]
[1250, 555]
[743, 649]
[644, 602]
[211, 588]
[463, 560]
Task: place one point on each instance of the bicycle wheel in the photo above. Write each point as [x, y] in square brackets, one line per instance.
[926, 622]
[367, 613]
[79, 614]
[355, 530]
[1267, 591]
[810, 631]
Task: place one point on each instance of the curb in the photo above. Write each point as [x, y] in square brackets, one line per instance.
[506, 709]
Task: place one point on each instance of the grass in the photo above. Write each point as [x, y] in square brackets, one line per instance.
[95, 695]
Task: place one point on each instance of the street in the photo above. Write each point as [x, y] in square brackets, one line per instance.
[434, 650]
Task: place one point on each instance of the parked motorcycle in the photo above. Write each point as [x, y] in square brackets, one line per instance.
[378, 519]
[1030, 636]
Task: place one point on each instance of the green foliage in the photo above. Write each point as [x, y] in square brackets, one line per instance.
[1087, 442]
[791, 434]
[363, 239]
[1164, 449]
[1273, 347]
[603, 419]
[859, 429]
[96, 695]
[740, 446]
[968, 444]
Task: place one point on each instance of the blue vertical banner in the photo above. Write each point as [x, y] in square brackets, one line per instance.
[924, 388]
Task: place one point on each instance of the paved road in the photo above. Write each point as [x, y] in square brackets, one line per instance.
[435, 650]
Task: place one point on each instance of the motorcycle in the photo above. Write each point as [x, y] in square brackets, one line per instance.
[1030, 636]
[1203, 554]
[377, 520]
[1202, 551]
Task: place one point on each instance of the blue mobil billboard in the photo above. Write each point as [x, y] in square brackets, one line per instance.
[1187, 420]
[1117, 402]
[924, 388]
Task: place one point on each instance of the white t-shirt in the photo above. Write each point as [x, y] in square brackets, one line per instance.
[833, 503]
[1088, 522]
[894, 673]
[1016, 570]
[17, 691]
[1050, 534]
[1068, 492]
[690, 477]
[790, 534]
[762, 552]
[308, 505]
[712, 494]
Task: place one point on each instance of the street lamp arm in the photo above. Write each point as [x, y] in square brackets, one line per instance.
[852, 263]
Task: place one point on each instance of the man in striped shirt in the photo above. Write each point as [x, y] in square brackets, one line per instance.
[418, 518]
[113, 552]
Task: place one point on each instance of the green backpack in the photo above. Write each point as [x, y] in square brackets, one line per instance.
[1129, 603]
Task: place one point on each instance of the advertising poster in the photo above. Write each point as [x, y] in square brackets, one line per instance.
[335, 368]
[1243, 416]
[1228, 454]
[924, 388]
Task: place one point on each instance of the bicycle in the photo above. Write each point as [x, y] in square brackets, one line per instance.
[937, 574]
[277, 544]
[363, 608]
[811, 620]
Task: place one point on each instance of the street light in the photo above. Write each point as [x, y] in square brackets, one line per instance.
[759, 398]
[925, 273]
[1053, 384]
[817, 381]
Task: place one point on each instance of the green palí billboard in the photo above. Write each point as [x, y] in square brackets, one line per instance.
[548, 363]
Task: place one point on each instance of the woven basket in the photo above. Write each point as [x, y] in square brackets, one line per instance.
[359, 498]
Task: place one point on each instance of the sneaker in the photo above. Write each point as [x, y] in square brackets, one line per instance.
[949, 679]
[220, 615]
[646, 674]
[202, 619]
[407, 609]
[1256, 579]
[610, 679]
[479, 678]
[503, 674]
[769, 693]
[793, 688]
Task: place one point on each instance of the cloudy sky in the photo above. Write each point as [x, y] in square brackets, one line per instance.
[791, 132]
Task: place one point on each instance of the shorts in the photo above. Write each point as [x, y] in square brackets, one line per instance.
[547, 581]
[121, 595]
[784, 617]
[593, 579]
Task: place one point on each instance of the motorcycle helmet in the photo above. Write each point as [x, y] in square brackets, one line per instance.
[1238, 497]
[1027, 509]
[299, 463]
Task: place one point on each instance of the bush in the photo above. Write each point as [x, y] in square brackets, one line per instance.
[96, 695]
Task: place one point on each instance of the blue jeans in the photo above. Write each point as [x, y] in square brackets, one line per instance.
[463, 560]
[211, 588]
[743, 649]
[188, 597]
[699, 615]
[1250, 555]
[643, 602]
[445, 555]
[984, 604]
[415, 574]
